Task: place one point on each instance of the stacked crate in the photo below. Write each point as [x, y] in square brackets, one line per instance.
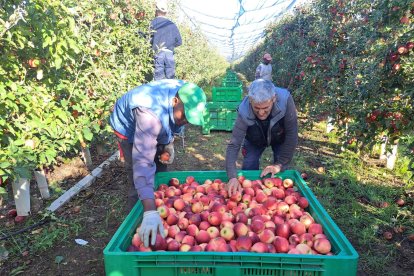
[221, 112]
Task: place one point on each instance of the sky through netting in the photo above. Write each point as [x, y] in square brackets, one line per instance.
[234, 26]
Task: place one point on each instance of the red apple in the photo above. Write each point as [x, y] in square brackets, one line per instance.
[268, 182]
[183, 223]
[213, 232]
[192, 230]
[12, 213]
[219, 208]
[188, 240]
[214, 218]
[203, 237]
[226, 223]
[271, 203]
[241, 229]
[294, 239]
[180, 236]
[160, 243]
[185, 247]
[241, 217]
[304, 248]
[196, 248]
[257, 226]
[261, 196]
[304, 175]
[259, 247]
[278, 193]
[387, 235]
[303, 202]
[246, 183]
[306, 238]
[197, 207]
[253, 236]
[290, 199]
[163, 211]
[170, 192]
[227, 233]
[266, 236]
[323, 246]
[174, 182]
[283, 230]
[287, 183]
[278, 220]
[248, 191]
[243, 243]
[179, 204]
[194, 219]
[217, 244]
[172, 219]
[282, 207]
[189, 179]
[281, 244]
[136, 241]
[227, 217]
[204, 215]
[173, 230]
[319, 236]
[236, 197]
[307, 220]
[315, 228]
[204, 225]
[298, 228]
[246, 199]
[294, 251]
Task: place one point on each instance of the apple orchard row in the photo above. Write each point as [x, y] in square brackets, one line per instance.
[268, 216]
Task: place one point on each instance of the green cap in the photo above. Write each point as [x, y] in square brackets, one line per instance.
[194, 101]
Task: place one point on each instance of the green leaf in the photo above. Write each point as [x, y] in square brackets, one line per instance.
[23, 172]
[4, 254]
[4, 165]
[87, 133]
[59, 259]
[58, 62]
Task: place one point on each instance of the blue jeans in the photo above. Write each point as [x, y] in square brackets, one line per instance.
[164, 65]
[253, 153]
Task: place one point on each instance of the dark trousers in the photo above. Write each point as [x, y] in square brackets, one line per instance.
[126, 148]
[164, 65]
[253, 153]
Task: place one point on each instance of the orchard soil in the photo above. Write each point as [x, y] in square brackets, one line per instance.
[99, 210]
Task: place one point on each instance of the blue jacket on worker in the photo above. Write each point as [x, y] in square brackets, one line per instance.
[153, 96]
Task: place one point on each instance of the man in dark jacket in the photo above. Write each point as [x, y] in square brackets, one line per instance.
[266, 117]
[165, 36]
[144, 119]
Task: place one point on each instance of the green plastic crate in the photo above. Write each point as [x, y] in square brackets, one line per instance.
[229, 83]
[219, 116]
[118, 262]
[226, 94]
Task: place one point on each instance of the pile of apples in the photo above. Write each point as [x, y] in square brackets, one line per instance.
[268, 216]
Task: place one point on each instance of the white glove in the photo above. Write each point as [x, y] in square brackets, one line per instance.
[170, 149]
[151, 224]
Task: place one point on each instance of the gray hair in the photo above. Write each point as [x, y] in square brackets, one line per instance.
[261, 91]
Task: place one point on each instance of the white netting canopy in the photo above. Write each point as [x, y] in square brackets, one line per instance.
[234, 26]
